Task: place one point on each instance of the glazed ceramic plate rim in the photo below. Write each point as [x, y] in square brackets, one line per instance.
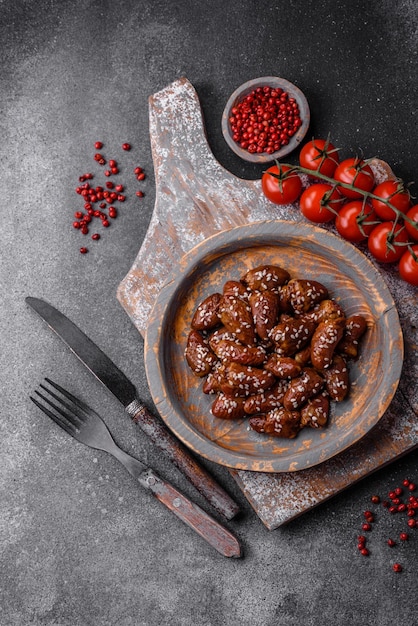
[193, 264]
[295, 140]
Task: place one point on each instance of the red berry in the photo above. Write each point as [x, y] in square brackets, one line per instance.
[404, 536]
[96, 236]
[105, 223]
[112, 163]
[366, 527]
[375, 499]
[83, 250]
[412, 486]
[141, 176]
[397, 567]
[138, 170]
[264, 120]
[98, 145]
[126, 146]
[76, 224]
[391, 543]
[412, 523]
[365, 552]
[140, 194]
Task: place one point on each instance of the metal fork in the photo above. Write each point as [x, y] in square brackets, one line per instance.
[85, 425]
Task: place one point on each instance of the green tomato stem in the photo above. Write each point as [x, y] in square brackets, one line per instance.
[298, 169]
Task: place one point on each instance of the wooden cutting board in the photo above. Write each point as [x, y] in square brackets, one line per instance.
[195, 198]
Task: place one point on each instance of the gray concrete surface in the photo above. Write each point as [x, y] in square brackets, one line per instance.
[80, 543]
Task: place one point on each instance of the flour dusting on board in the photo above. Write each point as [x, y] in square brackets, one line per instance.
[195, 197]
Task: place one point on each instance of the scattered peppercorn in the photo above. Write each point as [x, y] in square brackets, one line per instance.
[104, 195]
[394, 505]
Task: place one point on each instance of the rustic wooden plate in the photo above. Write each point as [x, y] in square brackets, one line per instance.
[305, 251]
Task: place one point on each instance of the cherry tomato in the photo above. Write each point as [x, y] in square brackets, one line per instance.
[394, 192]
[280, 188]
[356, 172]
[387, 242]
[355, 221]
[413, 215]
[408, 266]
[320, 202]
[319, 155]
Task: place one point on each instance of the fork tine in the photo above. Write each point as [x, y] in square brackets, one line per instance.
[69, 415]
[75, 417]
[70, 396]
[74, 411]
[64, 425]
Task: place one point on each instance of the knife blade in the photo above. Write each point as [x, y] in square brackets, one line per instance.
[99, 364]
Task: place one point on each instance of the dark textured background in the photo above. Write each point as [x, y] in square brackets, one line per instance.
[80, 543]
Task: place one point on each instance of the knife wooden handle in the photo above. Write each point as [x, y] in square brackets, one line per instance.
[191, 514]
[183, 459]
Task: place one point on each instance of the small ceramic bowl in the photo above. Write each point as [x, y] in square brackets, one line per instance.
[240, 93]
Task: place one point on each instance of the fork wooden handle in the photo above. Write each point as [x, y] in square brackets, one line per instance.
[183, 459]
[191, 514]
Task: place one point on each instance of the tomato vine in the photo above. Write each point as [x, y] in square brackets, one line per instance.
[381, 214]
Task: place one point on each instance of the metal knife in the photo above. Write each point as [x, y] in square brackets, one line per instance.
[115, 380]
